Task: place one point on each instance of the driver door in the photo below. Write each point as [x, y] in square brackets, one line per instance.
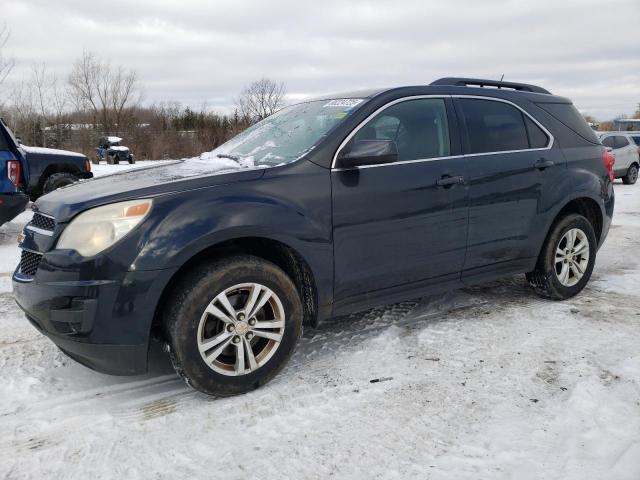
[395, 227]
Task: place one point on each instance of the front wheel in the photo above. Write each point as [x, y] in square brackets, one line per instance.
[632, 175]
[232, 325]
[566, 262]
[58, 180]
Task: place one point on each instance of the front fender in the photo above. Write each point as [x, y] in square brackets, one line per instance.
[292, 206]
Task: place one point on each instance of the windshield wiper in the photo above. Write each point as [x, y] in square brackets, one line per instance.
[226, 155]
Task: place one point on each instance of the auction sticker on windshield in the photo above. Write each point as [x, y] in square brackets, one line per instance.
[343, 102]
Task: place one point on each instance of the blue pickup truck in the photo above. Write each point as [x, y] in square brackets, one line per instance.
[26, 173]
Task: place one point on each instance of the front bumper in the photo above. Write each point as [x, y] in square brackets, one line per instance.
[103, 324]
[11, 205]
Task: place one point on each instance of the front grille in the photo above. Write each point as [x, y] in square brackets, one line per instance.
[29, 262]
[43, 222]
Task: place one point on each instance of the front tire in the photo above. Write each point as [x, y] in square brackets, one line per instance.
[58, 180]
[232, 325]
[566, 262]
[632, 175]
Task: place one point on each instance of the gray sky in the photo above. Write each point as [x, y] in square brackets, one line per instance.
[204, 52]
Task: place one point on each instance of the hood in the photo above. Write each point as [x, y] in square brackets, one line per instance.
[144, 182]
[32, 152]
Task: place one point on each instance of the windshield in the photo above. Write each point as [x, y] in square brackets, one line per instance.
[288, 134]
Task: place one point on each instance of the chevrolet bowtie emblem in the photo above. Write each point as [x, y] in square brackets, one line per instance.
[20, 237]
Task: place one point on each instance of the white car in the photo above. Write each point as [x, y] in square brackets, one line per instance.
[627, 152]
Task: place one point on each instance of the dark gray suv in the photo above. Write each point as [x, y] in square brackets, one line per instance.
[327, 207]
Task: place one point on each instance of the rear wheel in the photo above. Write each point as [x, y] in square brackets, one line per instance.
[567, 259]
[632, 175]
[232, 325]
[58, 180]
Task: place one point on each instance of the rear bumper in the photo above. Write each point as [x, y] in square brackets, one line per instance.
[87, 175]
[11, 205]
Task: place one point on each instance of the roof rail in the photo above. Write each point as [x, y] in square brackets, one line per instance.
[479, 82]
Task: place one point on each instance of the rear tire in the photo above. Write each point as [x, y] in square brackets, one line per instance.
[58, 180]
[564, 268]
[225, 352]
[632, 175]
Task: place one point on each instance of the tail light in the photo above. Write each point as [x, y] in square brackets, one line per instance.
[87, 165]
[608, 159]
[13, 172]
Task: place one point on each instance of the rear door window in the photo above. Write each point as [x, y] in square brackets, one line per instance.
[537, 137]
[493, 126]
[419, 127]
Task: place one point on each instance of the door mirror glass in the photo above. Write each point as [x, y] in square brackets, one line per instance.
[368, 152]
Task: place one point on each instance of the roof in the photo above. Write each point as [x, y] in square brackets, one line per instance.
[472, 84]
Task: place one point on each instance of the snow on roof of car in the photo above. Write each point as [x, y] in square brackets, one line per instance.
[114, 139]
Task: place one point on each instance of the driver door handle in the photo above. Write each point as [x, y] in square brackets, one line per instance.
[447, 181]
[543, 163]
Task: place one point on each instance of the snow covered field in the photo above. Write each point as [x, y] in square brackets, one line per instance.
[490, 382]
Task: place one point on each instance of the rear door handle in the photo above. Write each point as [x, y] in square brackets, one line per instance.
[447, 181]
[543, 163]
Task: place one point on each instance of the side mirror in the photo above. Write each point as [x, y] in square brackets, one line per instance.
[368, 152]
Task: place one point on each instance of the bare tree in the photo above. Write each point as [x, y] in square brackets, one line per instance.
[6, 64]
[103, 90]
[260, 99]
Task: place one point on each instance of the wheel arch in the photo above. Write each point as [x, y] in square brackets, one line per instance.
[275, 251]
[583, 204]
[57, 168]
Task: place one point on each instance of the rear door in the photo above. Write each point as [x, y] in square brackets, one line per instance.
[626, 149]
[393, 224]
[510, 167]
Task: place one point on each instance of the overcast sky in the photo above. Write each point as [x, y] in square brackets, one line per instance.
[204, 52]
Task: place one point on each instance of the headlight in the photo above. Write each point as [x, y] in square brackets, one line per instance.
[97, 229]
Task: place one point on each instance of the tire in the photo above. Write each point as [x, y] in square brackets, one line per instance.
[131, 160]
[546, 279]
[58, 180]
[632, 175]
[190, 330]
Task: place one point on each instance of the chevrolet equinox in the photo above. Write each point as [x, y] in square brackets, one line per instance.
[327, 207]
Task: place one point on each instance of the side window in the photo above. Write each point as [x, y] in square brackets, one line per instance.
[636, 140]
[493, 126]
[419, 128]
[621, 142]
[609, 142]
[537, 137]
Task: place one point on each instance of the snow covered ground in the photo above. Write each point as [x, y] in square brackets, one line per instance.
[488, 382]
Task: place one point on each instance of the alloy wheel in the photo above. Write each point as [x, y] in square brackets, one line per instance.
[572, 257]
[241, 329]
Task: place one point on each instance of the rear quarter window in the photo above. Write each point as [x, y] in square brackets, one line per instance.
[608, 142]
[569, 115]
[621, 142]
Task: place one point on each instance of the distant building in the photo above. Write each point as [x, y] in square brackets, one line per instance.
[626, 124]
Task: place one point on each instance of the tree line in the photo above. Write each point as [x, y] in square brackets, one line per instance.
[99, 98]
